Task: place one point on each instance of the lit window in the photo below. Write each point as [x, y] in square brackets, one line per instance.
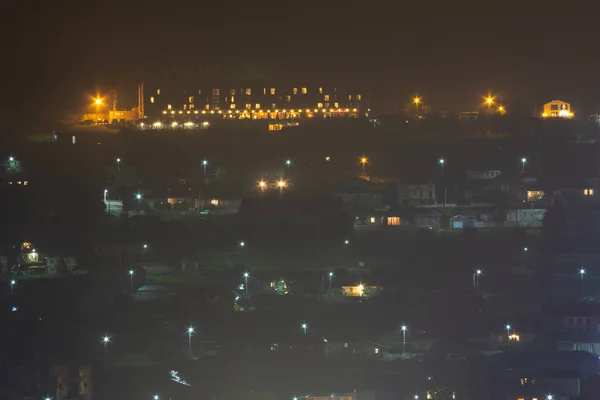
[372, 220]
[232, 92]
[152, 99]
[376, 350]
[169, 107]
[248, 106]
[257, 106]
[184, 106]
[25, 183]
[214, 202]
[336, 104]
[232, 106]
[272, 90]
[158, 92]
[191, 106]
[588, 192]
[345, 345]
[393, 221]
[326, 97]
[191, 99]
[349, 97]
[265, 91]
[319, 105]
[288, 98]
[304, 90]
[199, 91]
[295, 90]
[358, 97]
[320, 90]
[248, 92]
[233, 99]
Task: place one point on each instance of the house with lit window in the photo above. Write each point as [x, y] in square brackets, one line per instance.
[381, 218]
[584, 192]
[557, 109]
[525, 218]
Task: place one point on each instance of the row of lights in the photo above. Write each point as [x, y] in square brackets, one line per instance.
[340, 110]
[489, 101]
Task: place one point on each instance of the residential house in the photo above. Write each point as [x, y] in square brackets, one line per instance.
[429, 219]
[579, 193]
[483, 175]
[220, 205]
[377, 219]
[360, 290]
[61, 264]
[416, 194]
[576, 326]
[525, 218]
[473, 219]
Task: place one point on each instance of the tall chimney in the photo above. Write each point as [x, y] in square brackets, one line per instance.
[139, 101]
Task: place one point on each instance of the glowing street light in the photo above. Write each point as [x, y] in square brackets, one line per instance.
[105, 341]
[346, 241]
[131, 273]
[508, 328]
[489, 100]
[98, 104]
[204, 165]
[502, 110]
[330, 278]
[242, 244]
[549, 397]
[262, 185]
[523, 162]
[155, 397]
[190, 331]
[11, 159]
[581, 274]
[12, 284]
[364, 160]
[282, 184]
[404, 329]
[476, 276]
[417, 101]
[441, 161]
[246, 275]
[304, 327]
[118, 160]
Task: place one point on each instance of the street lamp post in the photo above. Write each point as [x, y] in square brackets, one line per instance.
[105, 341]
[508, 327]
[404, 328]
[190, 331]
[262, 185]
[364, 160]
[288, 163]
[138, 197]
[330, 278]
[131, 273]
[523, 162]
[204, 164]
[476, 276]
[118, 164]
[417, 101]
[581, 274]
[304, 327]
[12, 285]
[442, 162]
[246, 275]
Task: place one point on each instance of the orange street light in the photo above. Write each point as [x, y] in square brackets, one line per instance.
[364, 160]
[282, 184]
[501, 109]
[417, 101]
[489, 100]
[262, 185]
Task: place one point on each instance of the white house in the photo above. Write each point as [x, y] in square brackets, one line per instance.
[525, 218]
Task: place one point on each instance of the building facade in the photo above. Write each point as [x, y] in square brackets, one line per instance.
[557, 109]
[264, 102]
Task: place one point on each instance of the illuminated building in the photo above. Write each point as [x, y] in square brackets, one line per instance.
[557, 109]
[255, 103]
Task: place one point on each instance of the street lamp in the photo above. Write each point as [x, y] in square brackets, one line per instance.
[246, 275]
[190, 331]
[404, 328]
[417, 101]
[304, 327]
[131, 273]
[364, 160]
[549, 397]
[330, 278]
[262, 185]
[145, 246]
[346, 241]
[242, 244]
[288, 163]
[98, 103]
[476, 276]
[282, 184]
[155, 397]
[204, 164]
[138, 197]
[11, 159]
[416, 397]
[105, 341]
[523, 162]
[581, 274]
[118, 164]
[508, 327]
[12, 284]
[489, 100]
[442, 162]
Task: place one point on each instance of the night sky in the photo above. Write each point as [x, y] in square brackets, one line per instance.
[452, 56]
